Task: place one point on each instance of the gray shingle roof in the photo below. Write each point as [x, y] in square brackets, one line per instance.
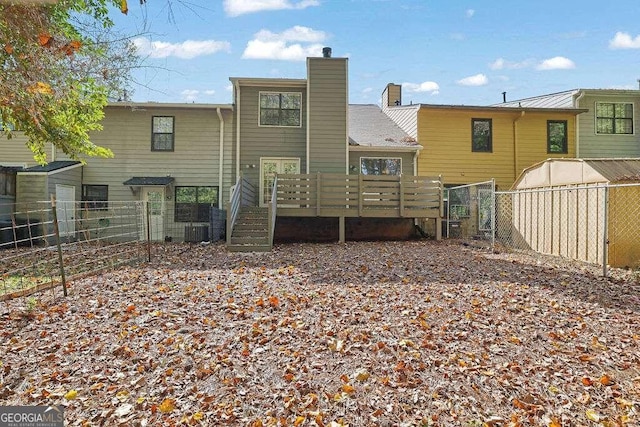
[149, 180]
[52, 166]
[369, 126]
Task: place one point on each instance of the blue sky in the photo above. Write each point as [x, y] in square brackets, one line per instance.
[442, 52]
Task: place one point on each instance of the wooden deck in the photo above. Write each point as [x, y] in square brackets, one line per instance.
[379, 196]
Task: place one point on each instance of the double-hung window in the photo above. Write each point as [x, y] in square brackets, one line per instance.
[281, 109]
[481, 136]
[162, 133]
[557, 137]
[614, 118]
[193, 204]
[95, 197]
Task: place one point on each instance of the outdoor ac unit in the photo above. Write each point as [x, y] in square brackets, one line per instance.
[196, 233]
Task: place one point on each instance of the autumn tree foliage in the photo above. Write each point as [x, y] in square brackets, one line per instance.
[59, 65]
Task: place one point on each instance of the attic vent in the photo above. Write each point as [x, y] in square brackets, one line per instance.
[326, 52]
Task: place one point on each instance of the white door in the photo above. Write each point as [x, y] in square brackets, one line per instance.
[154, 211]
[268, 170]
[65, 209]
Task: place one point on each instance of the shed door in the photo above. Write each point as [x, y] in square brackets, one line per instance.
[65, 209]
[154, 212]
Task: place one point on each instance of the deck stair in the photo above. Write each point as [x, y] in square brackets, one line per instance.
[251, 231]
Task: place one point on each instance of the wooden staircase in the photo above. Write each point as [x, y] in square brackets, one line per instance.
[251, 231]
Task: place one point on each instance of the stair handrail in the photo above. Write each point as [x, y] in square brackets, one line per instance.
[272, 210]
[233, 207]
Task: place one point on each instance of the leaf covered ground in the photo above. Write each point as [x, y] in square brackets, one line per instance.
[361, 334]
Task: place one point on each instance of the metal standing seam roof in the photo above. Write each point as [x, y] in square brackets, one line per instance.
[552, 100]
[369, 126]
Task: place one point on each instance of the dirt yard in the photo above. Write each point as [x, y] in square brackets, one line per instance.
[361, 334]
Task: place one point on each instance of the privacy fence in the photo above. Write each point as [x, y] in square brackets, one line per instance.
[597, 223]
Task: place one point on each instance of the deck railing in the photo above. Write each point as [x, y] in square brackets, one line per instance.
[272, 211]
[336, 195]
[242, 194]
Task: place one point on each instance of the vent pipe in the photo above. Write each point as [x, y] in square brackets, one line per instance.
[504, 97]
[326, 52]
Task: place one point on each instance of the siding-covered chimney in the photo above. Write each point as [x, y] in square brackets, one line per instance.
[392, 95]
[326, 52]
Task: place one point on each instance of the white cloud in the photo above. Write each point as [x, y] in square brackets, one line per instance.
[477, 80]
[624, 41]
[210, 92]
[470, 13]
[293, 44]
[229, 87]
[189, 94]
[432, 87]
[501, 64]
[367, 90]
[556, 63]
[186, 50]
[240, 7]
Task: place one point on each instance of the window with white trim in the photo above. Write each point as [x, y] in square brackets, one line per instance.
[280, 109]
[95, 197]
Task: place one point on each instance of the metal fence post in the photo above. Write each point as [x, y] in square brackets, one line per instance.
[56, 231]
[493, 213]
[148, 232]
[605, 233]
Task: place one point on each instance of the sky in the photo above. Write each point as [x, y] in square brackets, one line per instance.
[441, 52]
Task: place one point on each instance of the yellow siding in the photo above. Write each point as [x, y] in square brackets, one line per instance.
[445, 134]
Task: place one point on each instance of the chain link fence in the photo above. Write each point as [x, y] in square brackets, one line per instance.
[469, 210]
[598, 223]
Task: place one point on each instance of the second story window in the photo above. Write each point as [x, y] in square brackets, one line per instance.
[481, 136]
[162, 133]
[614, 118]
[281, 109]
[557, 136]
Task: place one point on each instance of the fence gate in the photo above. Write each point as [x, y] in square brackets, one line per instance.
[471, 211]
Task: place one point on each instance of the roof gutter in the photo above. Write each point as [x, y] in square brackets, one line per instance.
[237, 99]
[220, 158]
[576, 102]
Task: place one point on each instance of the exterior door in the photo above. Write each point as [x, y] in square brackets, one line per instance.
[154, 198]
[65, 209]
[268, 170]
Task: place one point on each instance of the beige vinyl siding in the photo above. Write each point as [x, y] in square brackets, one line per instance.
[71, 177]
[354, 160]
[267, 141]
[15, 152]
[328, 99]
[594, 145]
[127, 132]
[31, 189]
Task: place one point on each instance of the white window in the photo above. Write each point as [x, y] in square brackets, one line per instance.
[280, 109]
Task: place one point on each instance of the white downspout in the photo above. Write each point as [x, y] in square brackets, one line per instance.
[237, 130]
[576, 103]
[220, 160]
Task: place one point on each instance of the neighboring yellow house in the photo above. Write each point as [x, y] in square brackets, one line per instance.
[468, 144]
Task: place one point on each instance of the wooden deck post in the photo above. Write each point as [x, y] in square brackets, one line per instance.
[438, 228]
[401, 196]
[360, 193]
[341, 237]
[318, 191]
